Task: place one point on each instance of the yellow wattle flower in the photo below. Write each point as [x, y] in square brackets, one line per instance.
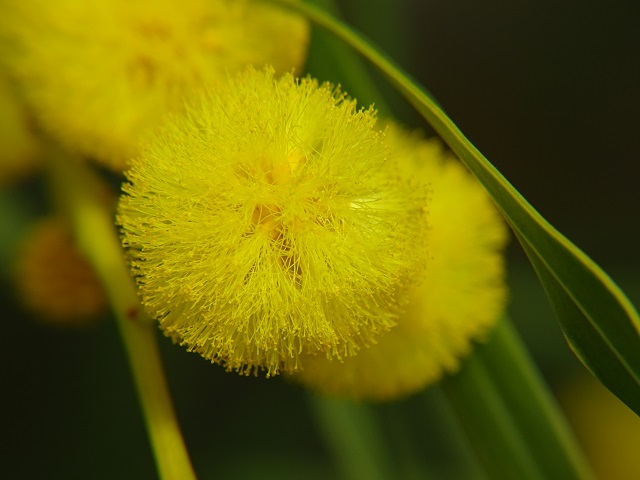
[54, 281]
[266, 222]
[99, 73]
[462, 296]
[20, 149]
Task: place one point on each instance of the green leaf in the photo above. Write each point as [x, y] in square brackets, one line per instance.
[491, 430]
[588, 344]
[600, 323]
[529, 404]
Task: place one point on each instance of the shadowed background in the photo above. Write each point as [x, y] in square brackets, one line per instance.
[548, 91]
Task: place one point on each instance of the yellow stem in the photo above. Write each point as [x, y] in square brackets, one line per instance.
[84, 197]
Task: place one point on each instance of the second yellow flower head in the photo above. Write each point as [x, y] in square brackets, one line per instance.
[99, 73]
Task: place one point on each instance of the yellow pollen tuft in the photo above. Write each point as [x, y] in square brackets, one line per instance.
[266, 223]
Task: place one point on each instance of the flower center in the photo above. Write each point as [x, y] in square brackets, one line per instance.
[266, 218]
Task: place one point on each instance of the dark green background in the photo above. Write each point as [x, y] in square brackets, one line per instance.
[549, 92]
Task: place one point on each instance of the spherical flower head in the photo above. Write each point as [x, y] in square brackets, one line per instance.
[54, 281]
[266, 222]
[462, 296]
[20, 150]
[98, 73]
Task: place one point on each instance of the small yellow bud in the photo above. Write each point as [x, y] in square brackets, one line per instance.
[462, 296]
[99, 73]
[54, 281]
[267, 222]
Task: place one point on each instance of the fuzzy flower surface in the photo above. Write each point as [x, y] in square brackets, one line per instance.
[54, 281]
[266, 222]
[99, 73]
[20, 149]
[461, 298]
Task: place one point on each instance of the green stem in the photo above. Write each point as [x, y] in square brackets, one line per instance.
[353, 437]
[170, 452]
[501, 401]
[82, 195]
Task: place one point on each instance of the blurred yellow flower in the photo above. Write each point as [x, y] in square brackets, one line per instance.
[462, 296]
[267, 222]
[99, 73]
[54, 281]
[20, 150]
[607, 429]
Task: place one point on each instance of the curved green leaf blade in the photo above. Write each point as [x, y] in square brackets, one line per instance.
[585, 341]
[600, 322]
